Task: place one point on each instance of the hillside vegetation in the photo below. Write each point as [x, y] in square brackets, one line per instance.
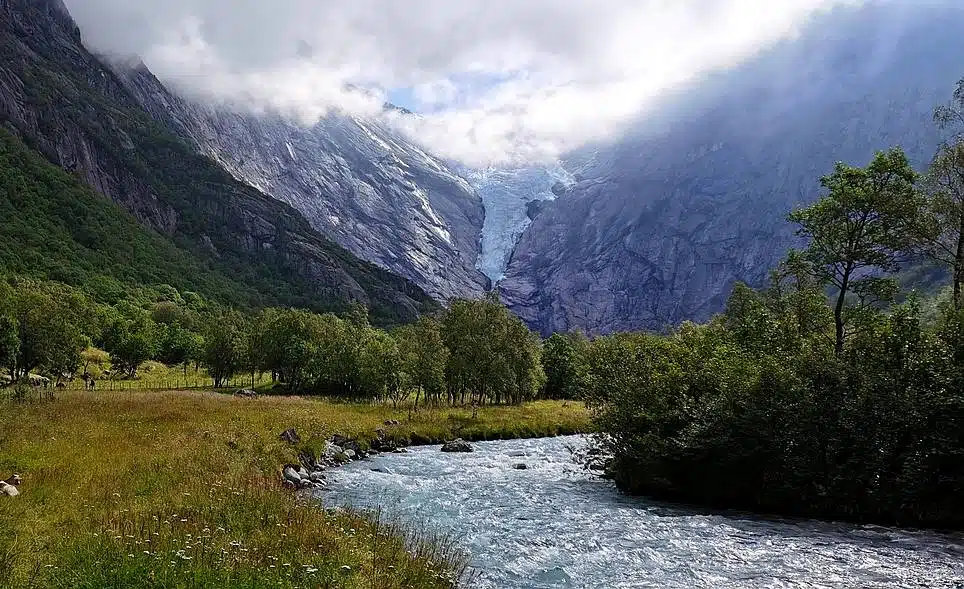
[250, 249]
[54, 227]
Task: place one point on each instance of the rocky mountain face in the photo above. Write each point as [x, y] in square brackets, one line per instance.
[67, 104]
[662, 223]
[371, 190]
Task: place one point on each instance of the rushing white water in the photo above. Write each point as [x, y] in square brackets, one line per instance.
[556, 526]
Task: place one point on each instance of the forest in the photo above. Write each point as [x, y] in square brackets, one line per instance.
[475, 352]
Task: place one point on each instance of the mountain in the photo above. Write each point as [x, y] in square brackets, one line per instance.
[663, 221]
[358, 182]
[67, 104]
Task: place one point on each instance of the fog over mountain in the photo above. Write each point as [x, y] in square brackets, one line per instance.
[633, 159]
[497, 82]
[665, 220]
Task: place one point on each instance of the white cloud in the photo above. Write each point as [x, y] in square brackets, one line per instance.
[499, 80]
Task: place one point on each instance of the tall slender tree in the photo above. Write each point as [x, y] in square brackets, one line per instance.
[863, 226]
[940, 229]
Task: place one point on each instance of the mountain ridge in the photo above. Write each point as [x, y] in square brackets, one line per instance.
[375, 193]
[67, 104]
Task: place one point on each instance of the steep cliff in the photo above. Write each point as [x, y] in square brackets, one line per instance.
[356, 181]
[663, 221]
[68, 105]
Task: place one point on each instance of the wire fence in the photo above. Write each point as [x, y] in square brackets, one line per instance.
[164, 384]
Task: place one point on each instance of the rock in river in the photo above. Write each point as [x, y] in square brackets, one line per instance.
[457, 445]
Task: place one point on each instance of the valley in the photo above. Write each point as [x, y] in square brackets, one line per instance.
[681, 298]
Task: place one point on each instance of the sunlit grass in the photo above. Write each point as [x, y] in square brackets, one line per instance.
[157, 376]
[180, 489]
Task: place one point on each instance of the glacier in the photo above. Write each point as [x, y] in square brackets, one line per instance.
[507, 195]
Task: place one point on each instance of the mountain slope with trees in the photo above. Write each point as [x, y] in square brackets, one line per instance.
[66, 104]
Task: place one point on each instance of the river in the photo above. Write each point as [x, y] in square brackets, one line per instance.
[554, 525]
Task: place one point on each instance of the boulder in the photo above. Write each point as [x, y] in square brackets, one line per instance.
[317, 476]
[291, 476]
[332, 450]
[348, 444]
[9, 486]
[520, 466]
[246, 393]
[382, 443]
[457, 445]
[351, 454]
[290, 436]
[308, 460]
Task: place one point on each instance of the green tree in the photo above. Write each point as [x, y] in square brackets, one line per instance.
[49, 322]
[178, 346]
[131, 341]
[224, 346]
[9, 343]
[493, 356]
[564, 361]
[940, 229]
[425, 357]
[383, 368]
[286, 342]
[861, 227]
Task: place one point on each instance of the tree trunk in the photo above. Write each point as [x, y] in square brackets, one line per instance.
[838, 314]
[959, 264]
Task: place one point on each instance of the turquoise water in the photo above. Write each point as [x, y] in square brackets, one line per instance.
[556, 526]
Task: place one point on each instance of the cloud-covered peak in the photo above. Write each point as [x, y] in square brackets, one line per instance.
[496, 81]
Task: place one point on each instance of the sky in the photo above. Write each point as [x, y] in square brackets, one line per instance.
[495, 82]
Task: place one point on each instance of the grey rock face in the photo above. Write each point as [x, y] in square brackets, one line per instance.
[371, 190]
[663, 222]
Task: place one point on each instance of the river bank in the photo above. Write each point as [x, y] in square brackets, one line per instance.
[175, 489]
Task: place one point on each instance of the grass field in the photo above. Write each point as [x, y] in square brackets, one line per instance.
[180, 489]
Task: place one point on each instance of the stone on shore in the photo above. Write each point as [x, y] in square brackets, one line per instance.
[291, 476]
[290, 436]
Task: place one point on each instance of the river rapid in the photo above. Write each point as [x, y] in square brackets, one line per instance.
[554, 525]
